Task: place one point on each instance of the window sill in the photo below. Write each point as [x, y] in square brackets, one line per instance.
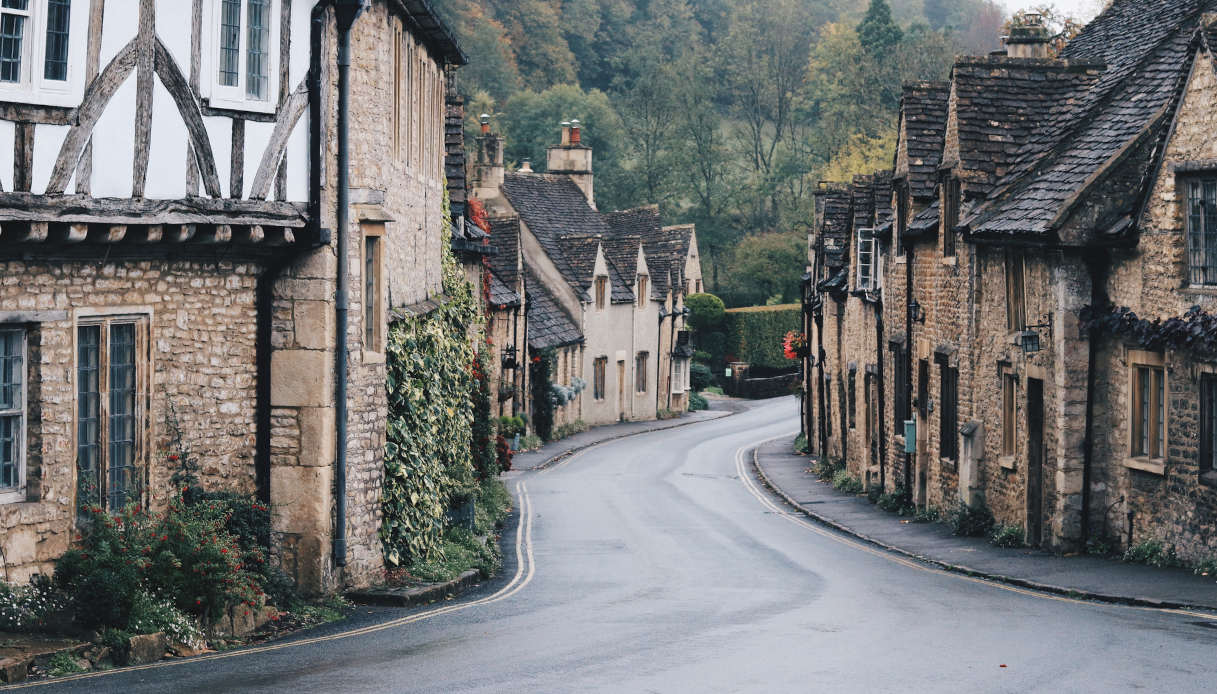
[15, 496]
[1008, 462]
[948, 463]
[953, 260]
[218, 103]
[371, 357]
[1155, 466]
[900, 259]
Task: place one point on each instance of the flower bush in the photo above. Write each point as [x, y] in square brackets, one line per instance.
[794, 345]
[26, 607]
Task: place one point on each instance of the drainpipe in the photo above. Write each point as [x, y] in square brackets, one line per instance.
[1096, 264]
[346, 12]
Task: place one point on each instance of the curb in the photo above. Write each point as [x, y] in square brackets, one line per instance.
[419, 595]
[559, 457]
[1075, 593]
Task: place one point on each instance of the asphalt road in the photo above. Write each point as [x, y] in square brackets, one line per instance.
[649, 565]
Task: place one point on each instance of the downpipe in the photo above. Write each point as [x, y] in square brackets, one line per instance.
[1096, 264]
[346, 12]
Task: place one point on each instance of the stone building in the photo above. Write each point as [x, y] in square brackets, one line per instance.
[617, 279]
[1057, 337]
[170, 237]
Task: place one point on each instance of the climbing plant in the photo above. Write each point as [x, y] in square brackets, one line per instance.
[540, 378]
[428, 458]
[1194, 332]
[485, 458]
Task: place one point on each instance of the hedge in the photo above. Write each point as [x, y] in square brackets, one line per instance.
[754, 333]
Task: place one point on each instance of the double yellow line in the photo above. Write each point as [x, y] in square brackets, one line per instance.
[525, 569]
[799, 518]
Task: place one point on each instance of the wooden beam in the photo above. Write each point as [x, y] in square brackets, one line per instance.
[107, 233]
[279, 236]
[252, 234]
[180, 233]
[215, 233]
[236, 168]
[145, 233]
[144, 81]
[23, 157]
[82, 209]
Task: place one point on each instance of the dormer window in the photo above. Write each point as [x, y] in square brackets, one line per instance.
[642, 290]
[902, 217]
[601, 292]
[41, 44]
[867, 275]
[244, 70]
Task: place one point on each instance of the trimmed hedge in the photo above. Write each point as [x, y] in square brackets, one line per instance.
[755, 333]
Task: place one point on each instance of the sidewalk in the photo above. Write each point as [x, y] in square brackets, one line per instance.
[556, 450]
[1094, 578]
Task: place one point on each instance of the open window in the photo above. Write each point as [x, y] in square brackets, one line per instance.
[242, 56]
[42, 44]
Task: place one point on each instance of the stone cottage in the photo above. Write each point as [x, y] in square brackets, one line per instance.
[610, 277]
[181, 247]
[1055, 359]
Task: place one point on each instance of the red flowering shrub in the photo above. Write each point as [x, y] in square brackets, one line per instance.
[794, 345]
[503, 450]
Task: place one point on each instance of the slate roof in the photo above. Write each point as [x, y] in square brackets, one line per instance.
[500, 294]
[924, 105]
[662, 246]
[1146, 45]
[505, 235]
[553, 207]
[923, 222]
[835, 221]
[548, 324]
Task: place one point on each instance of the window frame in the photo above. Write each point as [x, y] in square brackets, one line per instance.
[851, 396]
[1009, 431]
[236, 98]
[141, 376]
[599, 378]
[900, 389]
[34, 87]
[642, 290]
[1016, 291]
[948, 410]
[17, 493]
[1204, 240]
[867, 263]
[601, 290]
[640, 372]
[1208, 425]
[952, 194]
[903, 196]
[1148, 435]
[374, 328]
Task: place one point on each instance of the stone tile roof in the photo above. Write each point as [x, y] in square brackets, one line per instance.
[1146, 45]
[505, 236]
[923, 222]
[863, 194]
[924, 105]
[548, 324]
[836, 219]
[552, 207]
[662, 246]
[501, 294]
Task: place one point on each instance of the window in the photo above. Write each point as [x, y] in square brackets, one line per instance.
[12, 412]
[601, 292]
[1202, 230]
[923, 387]
[948, 383]
[399, 87]
[39, 52]
[699, 290]
[866, 260]
[1016, 303]
[374, 313]
[1009, 390]
[109, 385]
[852, 396]
[640, 372]
[950, 217]
[1208, 423]
[601, 364]
[245, 54]
[1148, 411]
[642, 290]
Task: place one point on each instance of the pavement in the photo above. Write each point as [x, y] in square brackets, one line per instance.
[1090, 577]
[658, 563]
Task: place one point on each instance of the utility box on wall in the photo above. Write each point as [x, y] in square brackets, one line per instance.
[910, 436]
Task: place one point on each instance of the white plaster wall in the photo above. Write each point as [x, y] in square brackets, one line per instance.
[8, 134]
[173, 27]
[166, 148]
[114, 142]
[119, 26]
[219, 131]
[298, 163]
[257, 137]
[47, 141]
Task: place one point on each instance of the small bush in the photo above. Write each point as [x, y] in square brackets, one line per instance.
[1152, 553]
[845, 482]
[714, 390]
[929, 514]
[510, 426]
[1006, 536]
[825, 467]
[576, 427]
[62, 663]
[697, 402]
[966, 521]
[1101, 547]
[706, 311]
[892, 502]
[150, 615]
[502, 451]
[700, 377]
[702, 357]
[23, 608]
[1208, 567]
[800, 444]
[531, 442]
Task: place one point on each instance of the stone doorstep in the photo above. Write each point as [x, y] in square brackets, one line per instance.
[29, 650]
[417, 595]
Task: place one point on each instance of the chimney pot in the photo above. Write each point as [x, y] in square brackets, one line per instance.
[576, 136]
[566, 133]
[485, 118]
[526, 166]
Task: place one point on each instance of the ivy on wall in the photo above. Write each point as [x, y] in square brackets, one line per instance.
[428, 460]
[1195, 332]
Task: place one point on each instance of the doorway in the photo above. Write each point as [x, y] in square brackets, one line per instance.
[621, 390]
[1035, 462]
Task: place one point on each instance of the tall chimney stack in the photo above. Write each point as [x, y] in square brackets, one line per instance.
[1029, 38]
[571, 157]
[488, 168]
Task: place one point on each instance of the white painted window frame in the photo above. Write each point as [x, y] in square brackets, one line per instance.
[866, 238]
[34, 88]
[234, 98]
[13, 495]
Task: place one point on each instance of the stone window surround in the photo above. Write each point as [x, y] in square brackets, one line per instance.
[1135, 358]
[29, 321]
[374, 229]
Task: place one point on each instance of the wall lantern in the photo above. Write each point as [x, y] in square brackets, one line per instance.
[1029, 338]
[916, 312]
[509, 357]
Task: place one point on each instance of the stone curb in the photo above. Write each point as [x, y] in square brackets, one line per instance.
[419, 595]
[559, 457]
[1081, 594]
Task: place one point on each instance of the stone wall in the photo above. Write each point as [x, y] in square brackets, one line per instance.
[201, 322]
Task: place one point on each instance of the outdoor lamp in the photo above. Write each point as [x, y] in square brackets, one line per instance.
[916, 312]
[1029, 338]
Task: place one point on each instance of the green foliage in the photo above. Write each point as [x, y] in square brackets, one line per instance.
[62, 663]
[428, 452]
[878, 33]
[24, 608]
[540, 377]
[576, 427]
[893, 501]
[800, 444]
[510, 426]
[845, 482]
[150, 615]
[706, 312]
[755, 334]
[927, 514]
[1006, 536]
[700, 377]
[966, 521]
[1207, 567]
[826, 468]
[482, 433]
[697, 402]
[765, 266]
[530, 442]
[1101, 546]
[464, 549]
[1152, 553]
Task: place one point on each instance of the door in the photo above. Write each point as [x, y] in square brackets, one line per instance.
[621, 390]
[1035, 461]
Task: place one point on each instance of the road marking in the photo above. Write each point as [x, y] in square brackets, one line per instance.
[800, 520]
[525, 570]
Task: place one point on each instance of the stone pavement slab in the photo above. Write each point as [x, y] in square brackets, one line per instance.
[1092, 577]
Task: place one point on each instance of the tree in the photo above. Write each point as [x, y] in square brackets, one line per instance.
[765, 267]
[706, 312]
[878, 33]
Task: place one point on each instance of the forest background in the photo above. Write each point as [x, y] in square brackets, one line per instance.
[725, 113]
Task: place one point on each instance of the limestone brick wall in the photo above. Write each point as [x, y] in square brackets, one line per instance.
[201, 330]
[859, 357]
[894, 318]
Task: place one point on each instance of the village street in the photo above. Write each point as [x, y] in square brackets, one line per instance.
[648, 564]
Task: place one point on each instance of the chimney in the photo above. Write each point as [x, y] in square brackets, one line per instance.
[571, 157]
[526, 167]
[1029, 38]
[488, 168]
